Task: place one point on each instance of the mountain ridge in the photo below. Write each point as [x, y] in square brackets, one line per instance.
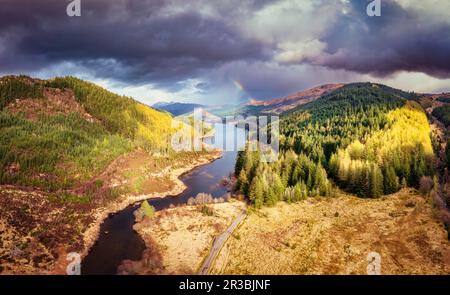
[285, 103]
[290, 103]
[176, 108]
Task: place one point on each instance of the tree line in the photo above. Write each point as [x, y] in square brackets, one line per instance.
[369, 139]
[149, 128]
[443, 114]
[12, 88]
[292, 178]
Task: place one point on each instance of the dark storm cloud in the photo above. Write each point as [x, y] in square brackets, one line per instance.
[167, 42]
[398, 40]
[130, 40]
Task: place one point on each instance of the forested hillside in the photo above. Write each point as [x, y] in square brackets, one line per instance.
[367, 138]
[443, 114]
[292, 178]
[396, 156]
[12, 88]
[120, 114]
[337, 119]
[56, 133]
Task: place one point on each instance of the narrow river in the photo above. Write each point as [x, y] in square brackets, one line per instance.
[118, 241]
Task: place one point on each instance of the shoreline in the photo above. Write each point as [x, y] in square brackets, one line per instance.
[92, 233]
[164, 235]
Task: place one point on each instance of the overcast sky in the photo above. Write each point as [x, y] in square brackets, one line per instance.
[228, 51]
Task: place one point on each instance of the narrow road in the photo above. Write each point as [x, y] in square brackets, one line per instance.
[219, 242]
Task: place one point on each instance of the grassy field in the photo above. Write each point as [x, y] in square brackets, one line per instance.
[334, 236]
[178, 239]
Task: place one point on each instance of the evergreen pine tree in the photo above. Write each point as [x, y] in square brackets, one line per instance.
[376, 185]
[256, 192]
[391, 182]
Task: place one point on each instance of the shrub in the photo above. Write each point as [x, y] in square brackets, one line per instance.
[206, 210]
[147, 209]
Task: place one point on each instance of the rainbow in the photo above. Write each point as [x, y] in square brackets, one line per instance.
[238, 85]
[241, 88]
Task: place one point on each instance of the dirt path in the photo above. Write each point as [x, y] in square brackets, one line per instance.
[219, 242]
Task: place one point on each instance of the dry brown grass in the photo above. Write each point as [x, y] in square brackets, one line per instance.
[334, 236]
[185, 234]
[37, 229]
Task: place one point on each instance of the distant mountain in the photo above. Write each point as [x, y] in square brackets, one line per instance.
[290, 103]
[283, 104]
[161, 104]
[278, 106]
[177, 108]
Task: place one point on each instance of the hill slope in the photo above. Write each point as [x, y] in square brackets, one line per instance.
[58, 132]
[71, 153]
[293, 102]
[371, 139]
[283, 104]
[335, 235]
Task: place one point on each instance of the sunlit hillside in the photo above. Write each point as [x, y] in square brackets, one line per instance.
[369, 139]
[57, 132]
